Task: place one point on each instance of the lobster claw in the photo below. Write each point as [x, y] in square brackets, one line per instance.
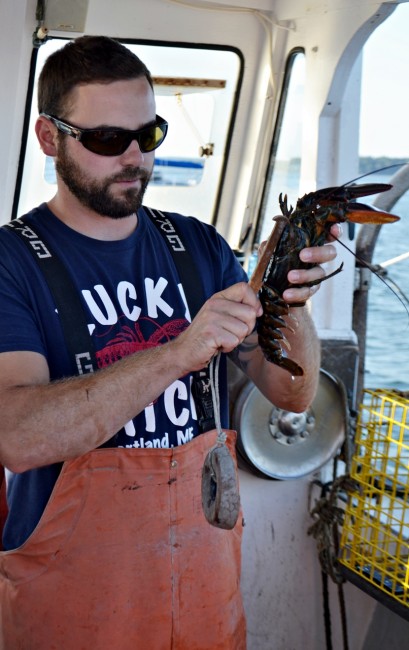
[361, 213]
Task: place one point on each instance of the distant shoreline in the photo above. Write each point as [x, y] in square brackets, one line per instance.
[368, 164]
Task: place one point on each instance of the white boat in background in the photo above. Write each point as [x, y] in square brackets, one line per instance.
[262, 97]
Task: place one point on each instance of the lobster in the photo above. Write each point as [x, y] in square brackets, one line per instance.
[306, 225]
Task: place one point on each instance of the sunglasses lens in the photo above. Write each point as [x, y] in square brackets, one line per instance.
[107, 142]
[151, 137]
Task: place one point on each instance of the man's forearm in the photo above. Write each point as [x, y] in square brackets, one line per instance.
[277, 384]
[52, 422]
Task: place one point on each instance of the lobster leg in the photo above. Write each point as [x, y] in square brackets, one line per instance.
[270, 332]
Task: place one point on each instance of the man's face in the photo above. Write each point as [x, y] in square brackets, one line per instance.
[111, 186]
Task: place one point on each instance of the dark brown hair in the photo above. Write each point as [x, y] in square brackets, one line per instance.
[88, 59]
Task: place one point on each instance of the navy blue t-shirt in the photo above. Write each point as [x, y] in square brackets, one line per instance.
[134, 300]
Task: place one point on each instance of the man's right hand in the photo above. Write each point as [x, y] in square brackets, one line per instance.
[221, 325]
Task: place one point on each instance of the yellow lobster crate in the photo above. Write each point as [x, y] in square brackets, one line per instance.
[375, 533]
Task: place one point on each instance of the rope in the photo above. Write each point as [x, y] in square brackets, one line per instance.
[327, 611]
[342, 608]
[214, 385]
[329, 517]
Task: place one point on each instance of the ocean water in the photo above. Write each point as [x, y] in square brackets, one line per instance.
[387, 351]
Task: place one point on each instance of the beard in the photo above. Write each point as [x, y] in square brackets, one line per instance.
[97, 195]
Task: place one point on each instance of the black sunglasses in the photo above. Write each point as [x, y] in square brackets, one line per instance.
[109, 141]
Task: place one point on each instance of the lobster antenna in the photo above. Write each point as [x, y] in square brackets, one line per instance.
[397, 287]
[374, 171]
[403, 299]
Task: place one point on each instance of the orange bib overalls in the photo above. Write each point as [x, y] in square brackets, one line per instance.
[123, 559]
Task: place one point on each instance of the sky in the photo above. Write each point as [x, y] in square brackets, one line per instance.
[385, 96]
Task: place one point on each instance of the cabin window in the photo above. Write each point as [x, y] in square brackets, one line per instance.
[285, 157]
[196, 90]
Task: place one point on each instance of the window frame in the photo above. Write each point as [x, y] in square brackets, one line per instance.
[30, 99]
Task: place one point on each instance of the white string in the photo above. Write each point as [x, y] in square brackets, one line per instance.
[214, 384]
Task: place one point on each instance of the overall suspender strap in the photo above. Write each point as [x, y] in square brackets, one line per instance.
[70, 309]
[182, 258]
[192, 284]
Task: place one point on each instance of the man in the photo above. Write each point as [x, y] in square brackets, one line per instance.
[107, 545]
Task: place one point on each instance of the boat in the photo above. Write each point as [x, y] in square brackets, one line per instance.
[262, 97]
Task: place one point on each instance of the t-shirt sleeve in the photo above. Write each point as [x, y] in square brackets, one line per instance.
[20, 328]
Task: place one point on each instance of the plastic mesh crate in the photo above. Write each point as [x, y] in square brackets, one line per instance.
[375, 533]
